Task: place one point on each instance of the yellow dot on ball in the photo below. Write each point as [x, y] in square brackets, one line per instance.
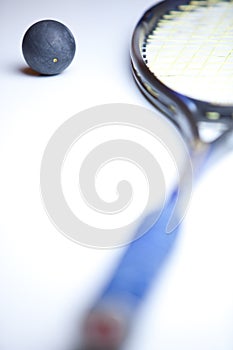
[55, 60]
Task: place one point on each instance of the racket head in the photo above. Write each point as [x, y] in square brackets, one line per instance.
[185, 111]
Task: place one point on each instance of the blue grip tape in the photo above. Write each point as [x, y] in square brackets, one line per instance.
[142, 260]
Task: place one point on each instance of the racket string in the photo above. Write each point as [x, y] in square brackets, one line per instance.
[195, 42]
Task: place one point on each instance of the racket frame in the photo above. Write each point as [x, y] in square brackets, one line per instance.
[183, 111]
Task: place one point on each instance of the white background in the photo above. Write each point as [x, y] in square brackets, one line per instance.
[47, 281]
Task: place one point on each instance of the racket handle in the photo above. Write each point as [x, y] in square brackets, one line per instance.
[109, 320]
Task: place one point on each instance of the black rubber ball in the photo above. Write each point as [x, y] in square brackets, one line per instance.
[48, 47]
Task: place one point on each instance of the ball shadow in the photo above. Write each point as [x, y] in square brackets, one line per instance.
[29, 71]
